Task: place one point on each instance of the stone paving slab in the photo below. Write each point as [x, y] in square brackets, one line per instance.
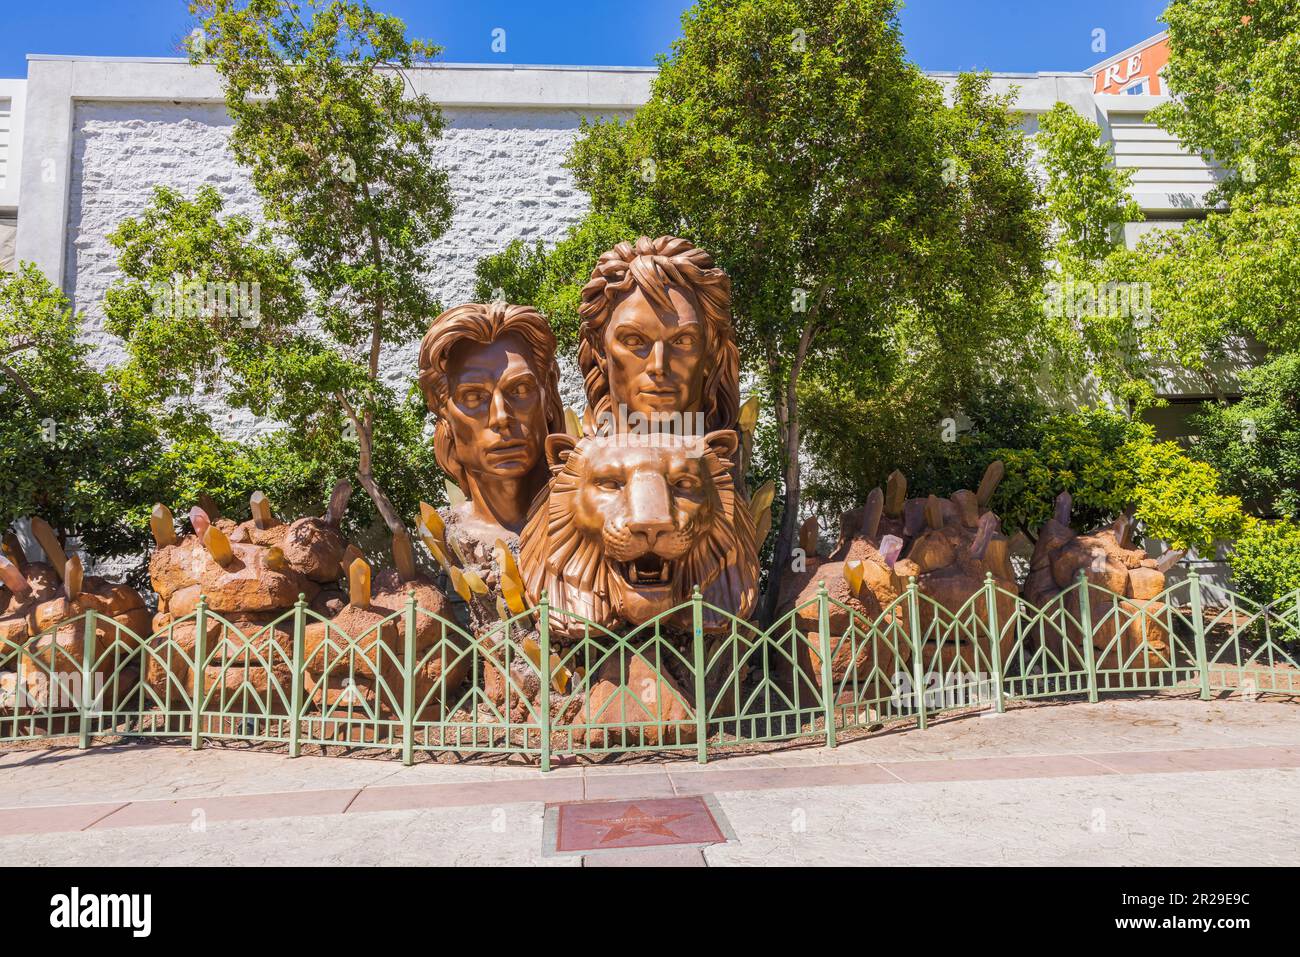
[60, 817]
[1008, 768]
[140, 787]
[599, 787]
[648, 857]
[406, 797]
[1240, 818]
[242, 807]
[1172, 819]
[446, 837]
[153, 772]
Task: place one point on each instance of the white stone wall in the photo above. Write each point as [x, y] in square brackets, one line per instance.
[504, 164]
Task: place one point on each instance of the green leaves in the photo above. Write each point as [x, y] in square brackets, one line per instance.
[1265, 560]
[74, 449]
[1111, 464]
[344, 165]
[1234, 67]
[343, 160]
[1255, 443]
[1086, 194]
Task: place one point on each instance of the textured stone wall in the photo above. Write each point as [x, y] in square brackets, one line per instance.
[504, 165]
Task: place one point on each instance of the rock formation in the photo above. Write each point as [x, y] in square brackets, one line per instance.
[42, 634]
[1110, 564]
[251, 574]
[948, 544]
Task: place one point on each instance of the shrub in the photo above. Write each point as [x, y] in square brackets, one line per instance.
[1265, 560]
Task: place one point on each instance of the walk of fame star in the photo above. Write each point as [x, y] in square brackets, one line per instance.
[636, 821]
[645, 822]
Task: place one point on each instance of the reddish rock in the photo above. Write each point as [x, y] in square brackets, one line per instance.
[511, 681]
[182, 572]
[45, 583]
[13, 632]
[643, 695]
[314, 549]
[1118, 576]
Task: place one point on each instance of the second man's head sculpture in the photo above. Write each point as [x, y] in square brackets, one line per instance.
[657, 348]
[489, 376]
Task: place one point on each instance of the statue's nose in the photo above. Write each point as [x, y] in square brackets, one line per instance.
[649, 508]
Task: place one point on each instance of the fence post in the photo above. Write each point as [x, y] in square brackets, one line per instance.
[408, 682]
[1085, 626]
[828, 676]
[1198, 633]
[701, 704]
[200, 662]
[995, 639]
[544, 658]
[87, 673]
[914, 636]
[295, 687]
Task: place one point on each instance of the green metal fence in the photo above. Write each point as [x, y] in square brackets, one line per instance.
[417, 682]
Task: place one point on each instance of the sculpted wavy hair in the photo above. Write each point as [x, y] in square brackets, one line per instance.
[484, 323]
[652, 265]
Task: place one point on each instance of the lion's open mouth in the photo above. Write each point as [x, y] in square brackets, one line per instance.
[649, 569]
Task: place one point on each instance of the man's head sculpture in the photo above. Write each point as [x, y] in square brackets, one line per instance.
[657, 340]
[631, 523]
[489, 375]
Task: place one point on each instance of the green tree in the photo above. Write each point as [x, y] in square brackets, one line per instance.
[1223, 281]
[1110, 464]
[1234, 67]
[864, 222]
[1097, 315]
[1265, 560]
[1255, 443]
[344, 164]
[1086, 194]
[74, 450]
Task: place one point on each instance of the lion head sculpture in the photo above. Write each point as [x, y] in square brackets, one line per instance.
[630, 524]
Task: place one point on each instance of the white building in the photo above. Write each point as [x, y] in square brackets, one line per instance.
[83, 141]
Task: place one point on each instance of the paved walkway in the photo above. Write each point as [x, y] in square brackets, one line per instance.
[1163, 781]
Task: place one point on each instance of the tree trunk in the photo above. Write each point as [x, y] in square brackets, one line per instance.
[787, 413]
[365, 472]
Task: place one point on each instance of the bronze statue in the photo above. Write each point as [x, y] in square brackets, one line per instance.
[657, 344]
[489, 375]
[631, 523]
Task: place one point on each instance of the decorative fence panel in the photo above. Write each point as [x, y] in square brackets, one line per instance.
[414, 681]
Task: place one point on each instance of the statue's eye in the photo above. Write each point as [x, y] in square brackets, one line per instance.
[633, 342]
[686, 483]
[685, 342]
[523, 390]
[609, 484]
[473, 397]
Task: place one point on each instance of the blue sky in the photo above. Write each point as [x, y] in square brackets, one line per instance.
[1017, 35]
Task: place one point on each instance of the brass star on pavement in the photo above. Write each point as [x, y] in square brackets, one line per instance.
[636, 821]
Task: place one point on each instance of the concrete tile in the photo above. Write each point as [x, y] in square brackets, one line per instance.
[647, 857]
[417, 796]
[753, 779]
[601, 786]
[1200, 759]
[996, 769]
[49, 820]
[240, 807]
